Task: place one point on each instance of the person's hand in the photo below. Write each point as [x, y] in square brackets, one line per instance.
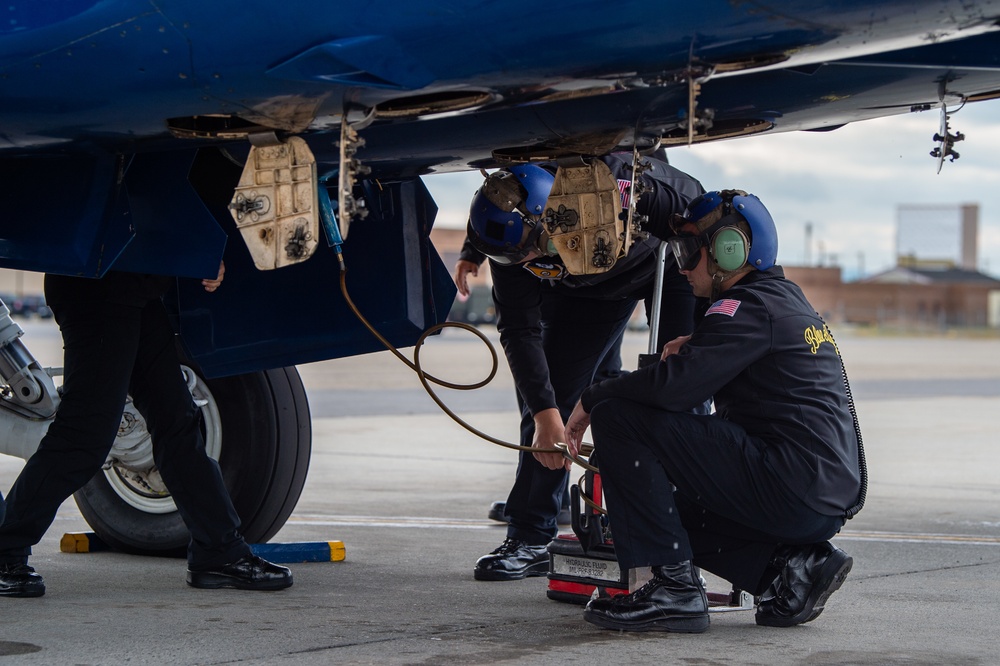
[212, 285]
[549, 432]
[578, 423]
[463, 269]
[673, 346]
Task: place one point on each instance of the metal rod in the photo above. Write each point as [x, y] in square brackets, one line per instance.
[654, 313]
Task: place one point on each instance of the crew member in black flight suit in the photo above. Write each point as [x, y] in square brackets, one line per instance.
[753, 492]
[118, 340]
[556, 327]
[469, 261]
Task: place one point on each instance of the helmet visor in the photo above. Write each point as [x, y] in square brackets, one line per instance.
[511, 254]
[686, 249]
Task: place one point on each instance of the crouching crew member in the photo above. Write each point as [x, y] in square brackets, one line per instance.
[753, 492]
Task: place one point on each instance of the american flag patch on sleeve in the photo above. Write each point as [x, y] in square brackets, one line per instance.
[624, 187]
[726, 306]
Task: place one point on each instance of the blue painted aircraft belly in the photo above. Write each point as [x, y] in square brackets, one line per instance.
[120, 121]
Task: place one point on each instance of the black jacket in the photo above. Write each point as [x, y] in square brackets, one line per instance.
[773, 368]
[517, 292]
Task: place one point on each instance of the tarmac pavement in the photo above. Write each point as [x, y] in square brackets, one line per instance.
[407, 492]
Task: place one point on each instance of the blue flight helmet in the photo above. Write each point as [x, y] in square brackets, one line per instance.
[728, 246]
[505, 216]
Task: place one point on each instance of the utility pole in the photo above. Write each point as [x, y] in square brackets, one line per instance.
[808, 254]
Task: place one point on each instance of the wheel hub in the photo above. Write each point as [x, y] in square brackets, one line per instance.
[130, 468]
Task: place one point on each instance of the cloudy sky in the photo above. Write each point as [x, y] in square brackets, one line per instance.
[845, 184]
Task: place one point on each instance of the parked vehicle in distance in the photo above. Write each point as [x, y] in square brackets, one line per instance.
[477, 309]
[28, 305]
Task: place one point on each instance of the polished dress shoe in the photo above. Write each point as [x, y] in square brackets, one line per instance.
[513, 560]
[247, 573]
[672, 600]
[809, 575]
[496, 513]
[20, 580]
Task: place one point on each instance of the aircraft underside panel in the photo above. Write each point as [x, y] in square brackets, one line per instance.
[90, 212]
[167, 213]
[297, 314]
[61, 213]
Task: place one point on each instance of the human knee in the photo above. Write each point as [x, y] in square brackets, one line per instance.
[611, 427]
[607, 416]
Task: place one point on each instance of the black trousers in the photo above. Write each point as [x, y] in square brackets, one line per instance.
[609, 367]
[577, 334]
[117, 340]
[729, 511]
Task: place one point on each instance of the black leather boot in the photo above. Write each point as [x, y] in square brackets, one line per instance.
[809, 575]
[20, 580]
[513, 560]
[673, 600]
[247, 573]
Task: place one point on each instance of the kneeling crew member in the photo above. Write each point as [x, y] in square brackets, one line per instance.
[752, 492]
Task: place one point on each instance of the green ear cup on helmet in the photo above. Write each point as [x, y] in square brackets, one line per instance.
[736, 206]
[730, 248]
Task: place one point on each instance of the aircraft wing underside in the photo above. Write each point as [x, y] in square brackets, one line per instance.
[124, 125]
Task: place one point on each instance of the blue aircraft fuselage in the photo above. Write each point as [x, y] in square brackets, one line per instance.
[121, 121]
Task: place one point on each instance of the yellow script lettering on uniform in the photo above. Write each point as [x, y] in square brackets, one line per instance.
[815, 337]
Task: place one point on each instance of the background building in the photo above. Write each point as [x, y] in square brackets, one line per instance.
[937, 236]
[20, 283]
[934, 285]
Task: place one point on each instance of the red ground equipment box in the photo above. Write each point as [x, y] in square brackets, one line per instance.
[583, 564]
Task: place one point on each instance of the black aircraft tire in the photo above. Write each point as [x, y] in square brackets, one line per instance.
[266, 446]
